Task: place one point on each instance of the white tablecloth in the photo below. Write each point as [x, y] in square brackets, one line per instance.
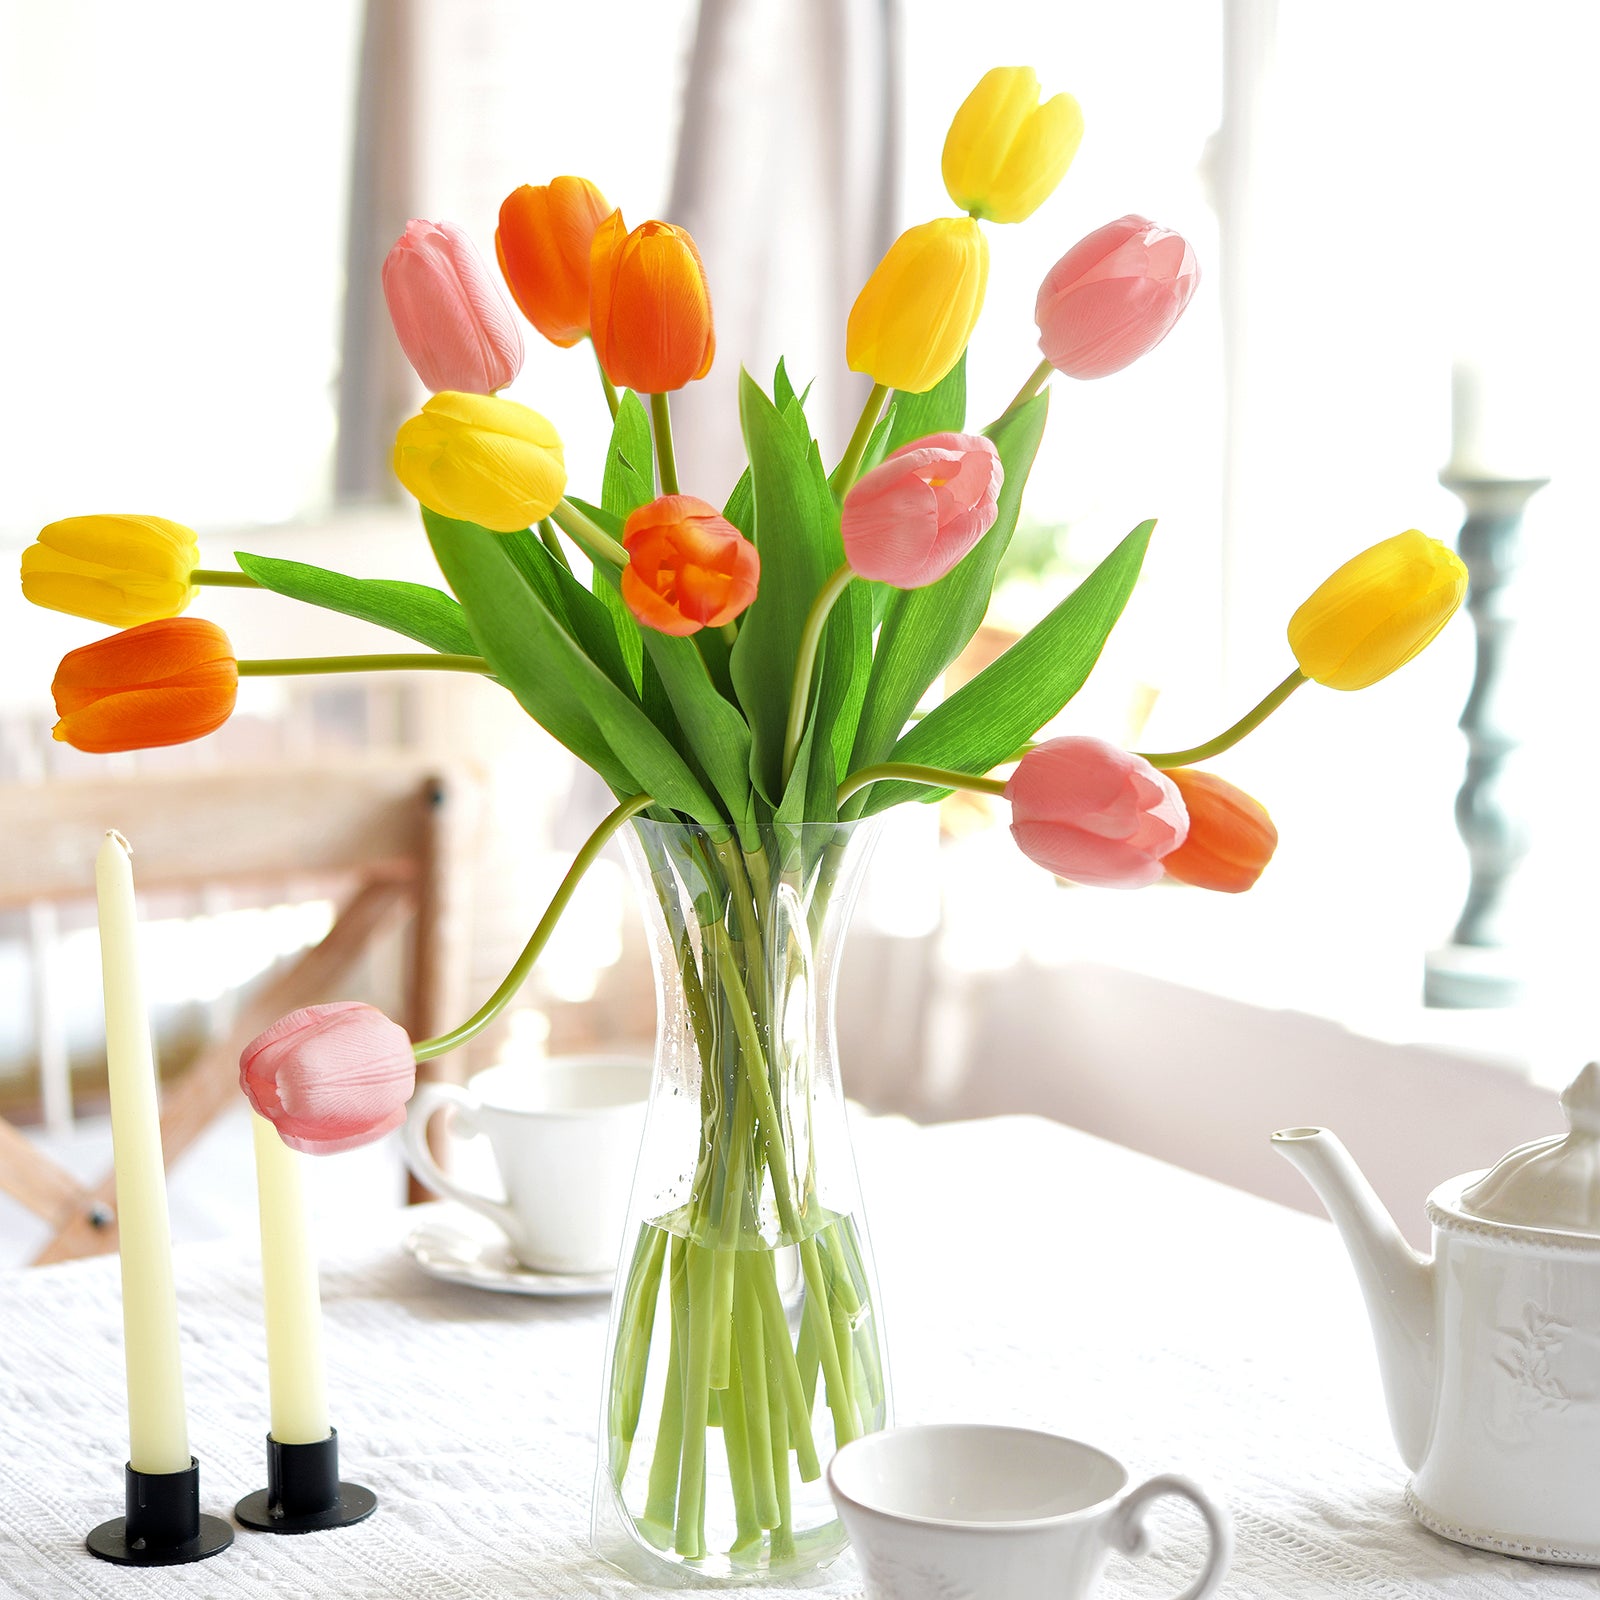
[1030, 1274]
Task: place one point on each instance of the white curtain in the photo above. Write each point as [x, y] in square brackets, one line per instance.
[787, 175]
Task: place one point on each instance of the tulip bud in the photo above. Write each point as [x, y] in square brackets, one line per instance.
[330, 1077]
[1113, 297]
[1005, 153]
[480, 459]
[1231, 838]
[649, 306]
[120, 570]
[543, 242]
[916, 312]
[688, 566]
[1377, 611]
[910, 520]
[1086, 810]
[451, 320]
[164, 682]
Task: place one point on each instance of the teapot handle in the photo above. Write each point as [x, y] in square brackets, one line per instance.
[1126, 1530]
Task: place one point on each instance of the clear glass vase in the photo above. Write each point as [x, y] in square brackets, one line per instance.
[745, 1343]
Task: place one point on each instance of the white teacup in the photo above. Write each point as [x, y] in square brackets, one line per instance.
[967, 1512]
[565, 1136]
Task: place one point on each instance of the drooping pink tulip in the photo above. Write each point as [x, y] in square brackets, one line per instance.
[452, 321]
[1089, 811]
[1113, 296]
[330, 1077]
[910, 520]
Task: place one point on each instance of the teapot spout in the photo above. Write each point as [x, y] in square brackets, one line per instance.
[1396, 1281]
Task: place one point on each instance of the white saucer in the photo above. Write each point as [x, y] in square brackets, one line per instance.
[455, 1244]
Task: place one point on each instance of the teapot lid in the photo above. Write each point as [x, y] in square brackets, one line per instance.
[1551, 1183]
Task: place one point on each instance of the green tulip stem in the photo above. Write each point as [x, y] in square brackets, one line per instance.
[806, 662]
[849, 468]
[547, 537]
[592, 539]
[1036, 381]
[910, 772]
[296, 666]
[497, 1002]
[1231, 736]
[606, 384]
[661, 420]
[221, 578]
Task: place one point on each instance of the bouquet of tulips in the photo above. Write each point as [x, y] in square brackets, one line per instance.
[750, 680]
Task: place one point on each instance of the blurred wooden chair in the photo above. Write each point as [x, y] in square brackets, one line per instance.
[384, 834]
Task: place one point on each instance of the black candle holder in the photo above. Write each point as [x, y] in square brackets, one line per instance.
[162, 1525]
[303, 1492]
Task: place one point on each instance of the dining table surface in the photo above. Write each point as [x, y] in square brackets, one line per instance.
[1030, 1274]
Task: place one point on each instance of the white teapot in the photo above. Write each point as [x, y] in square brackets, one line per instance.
[1490, 1351]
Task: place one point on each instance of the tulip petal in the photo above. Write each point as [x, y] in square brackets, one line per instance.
[330, 1077]
[481, 459]
[1114, 297]
[1380, 609]
[162, 683]
[449, 317]
[1230, 840]
[688, 566]
[118, 569]
[1005, 153]
[543, 245]
[650, 307]
[1096, 814]
[915, 516]
[915, 314]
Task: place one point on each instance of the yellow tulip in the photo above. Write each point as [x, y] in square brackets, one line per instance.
[917, 311]
[121, 570]
[481, 459]
[1377, 611]
[1005, 153]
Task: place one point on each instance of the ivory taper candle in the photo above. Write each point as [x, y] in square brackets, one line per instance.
[289, 1292]
[158, 1430]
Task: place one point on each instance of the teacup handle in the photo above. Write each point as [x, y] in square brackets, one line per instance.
[429, 1098]
[1128, 1533]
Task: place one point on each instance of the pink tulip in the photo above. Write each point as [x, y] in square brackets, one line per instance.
[1086, 810]
[330, 1078]
[452, 322]
[1113, 296]
[910, 520]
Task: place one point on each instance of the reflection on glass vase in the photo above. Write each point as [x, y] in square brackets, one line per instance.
[745, 1345]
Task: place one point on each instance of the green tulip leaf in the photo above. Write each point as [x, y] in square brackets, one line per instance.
[941, 409]
[796, 531]
[991, 717]
[706, 728]
[583, 614]
[741, 507]
[782, 388]
[679, 689]
[783, 391]
[630, 472]
[625, 629]
[557, 683]
[427, 615]
[924, 630]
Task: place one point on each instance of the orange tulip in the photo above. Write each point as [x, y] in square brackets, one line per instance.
[688, 567]
[164, 682]
[1231, 837]
[649, 307]
[543, 243]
